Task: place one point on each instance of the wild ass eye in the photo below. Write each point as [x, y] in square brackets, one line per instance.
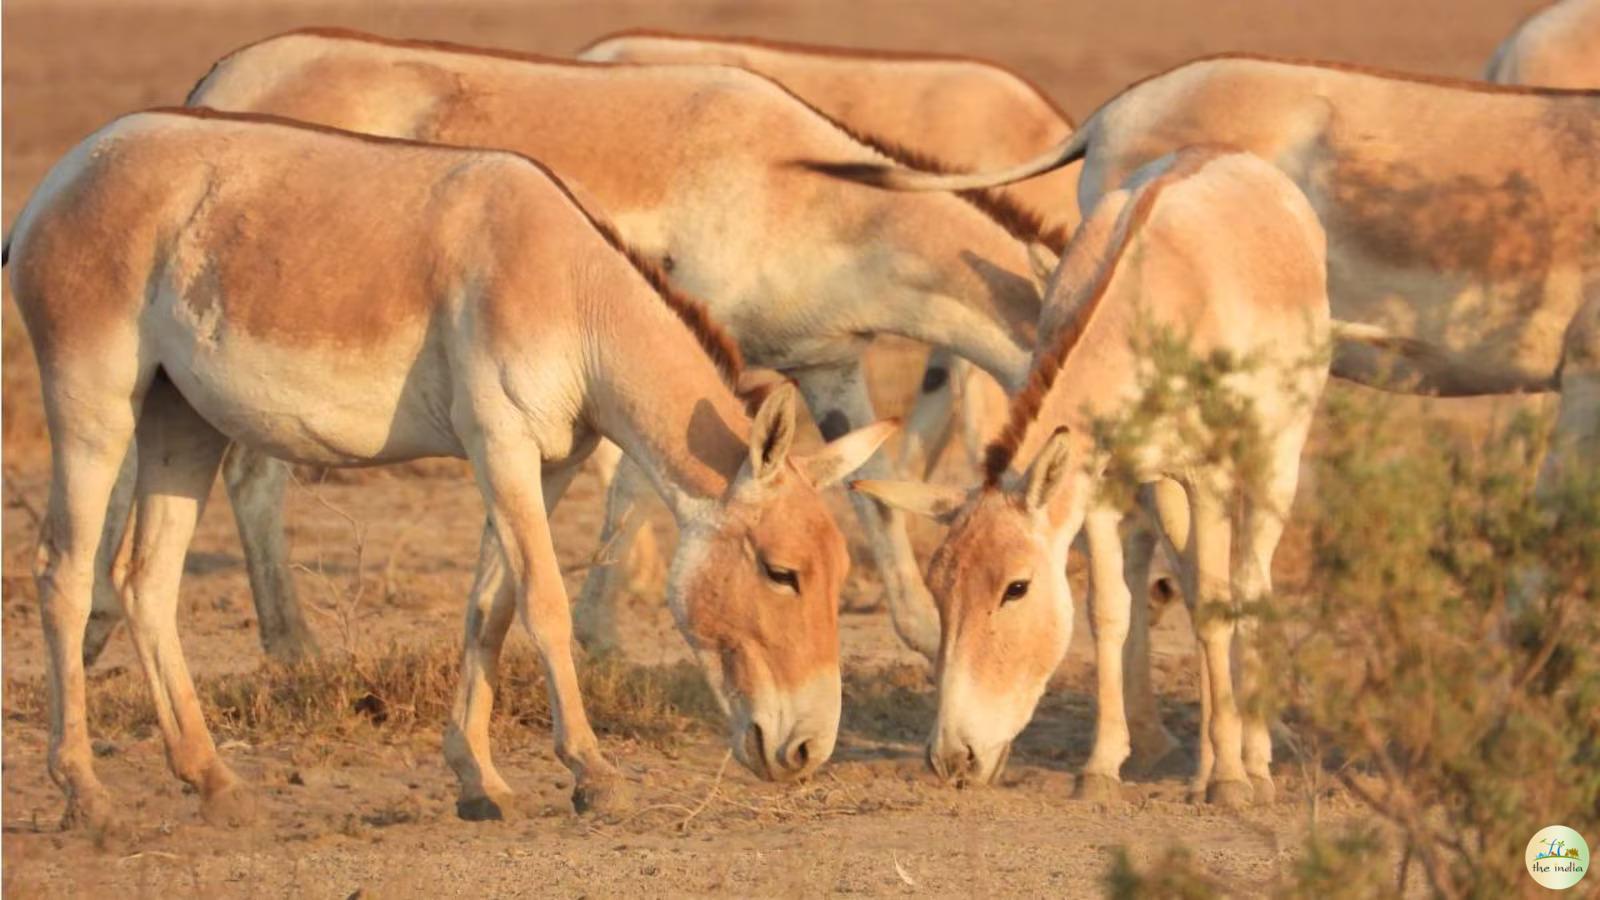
[1016, 590]
[788, 578]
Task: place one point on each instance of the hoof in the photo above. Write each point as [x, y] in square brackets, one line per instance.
[483, 808]
[1265, 792]
[1229, 794]
[93, 811]
[231, 806]
[1098, 788]
[1151, 752]
[603, 797]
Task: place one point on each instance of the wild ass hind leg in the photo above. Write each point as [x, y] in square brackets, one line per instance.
[492, 605]
[595, 614]
[256, 485]
[179, 453]
[91, 423]
[1207, 582]
[1109, 602]
[513, 492]
[837, 396]
[1575, 443]
[1261, 527]
[105, 611]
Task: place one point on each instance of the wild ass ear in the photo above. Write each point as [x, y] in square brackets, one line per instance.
[1043, 261]
[772, 433]
[936, 501]
[846, 454]
[1049, 470]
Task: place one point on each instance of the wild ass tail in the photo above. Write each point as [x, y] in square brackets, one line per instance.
[1372, 335]
[896, 178]
[5, 249]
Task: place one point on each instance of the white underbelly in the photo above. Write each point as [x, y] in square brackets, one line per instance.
[318, 404]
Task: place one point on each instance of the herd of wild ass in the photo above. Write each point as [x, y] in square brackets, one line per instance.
[349, 250]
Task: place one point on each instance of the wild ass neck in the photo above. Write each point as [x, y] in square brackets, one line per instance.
[677, 417]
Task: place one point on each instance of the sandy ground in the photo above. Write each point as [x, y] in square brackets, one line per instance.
[373, 810]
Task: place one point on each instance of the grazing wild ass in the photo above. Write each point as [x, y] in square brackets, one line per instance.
[1461, 216]
[695, 166]
[1219, 248]
[194, 278]
[967, 114]
[1557, 47]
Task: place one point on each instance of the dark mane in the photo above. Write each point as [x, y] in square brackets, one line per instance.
[716, 343]
[1021, 223]
[1048, 362]
[841, 53]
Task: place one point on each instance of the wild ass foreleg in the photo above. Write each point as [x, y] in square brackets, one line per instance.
[637, 552]
[839, 404]
[178, 458]
[1207, 572]
[1150, 739]
[595, 614]
[984, 407]
[1109, 602]
[257, 485]
[490, 609]
[514, 494]
[931, 420]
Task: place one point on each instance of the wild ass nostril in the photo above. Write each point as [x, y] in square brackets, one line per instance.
[799, 755]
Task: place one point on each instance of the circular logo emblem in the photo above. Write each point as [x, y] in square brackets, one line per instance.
[1557, 857]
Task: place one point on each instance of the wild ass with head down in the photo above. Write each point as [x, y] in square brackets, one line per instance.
[694, 164]
[195, 278]
[1461, 216]
[1220, 249]
[961, 113]
[1557, 47]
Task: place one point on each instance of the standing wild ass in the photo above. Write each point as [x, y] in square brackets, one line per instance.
[193, 278]
[1461, 216]
[1557, 47]
[967, 114]
[1218, 248]
[695, 165]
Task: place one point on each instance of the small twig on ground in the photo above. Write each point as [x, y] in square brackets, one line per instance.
[716, 783]
[345, 603]
[161, 854]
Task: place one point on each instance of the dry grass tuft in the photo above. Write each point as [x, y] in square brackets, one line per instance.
[396, 689]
